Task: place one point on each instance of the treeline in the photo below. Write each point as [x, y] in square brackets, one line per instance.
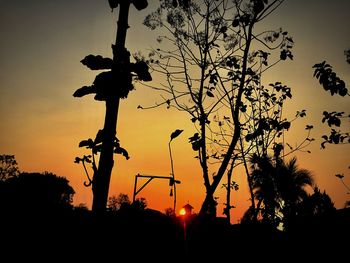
[38, 215]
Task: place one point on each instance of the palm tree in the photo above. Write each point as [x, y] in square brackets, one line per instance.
[292, 183]
[265, 189]
[279, 187]
[317, 204]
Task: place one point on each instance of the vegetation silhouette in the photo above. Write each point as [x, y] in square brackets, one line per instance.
[110, 86]
[36, 192]
[8, 167]
[207, 66]
[40, 222]
[37, 210]
[278, 187]
[332, 83]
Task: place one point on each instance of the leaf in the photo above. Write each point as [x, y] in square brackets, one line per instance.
[86, 143]
[210, 94]
[283, 55]
[175, 134]
[249, 137]
[286, 125]
[196, 146]
[122, 151]
[84, 91]
[195, 137]
[113, 3]
[168, 104]
[141, 69]
[97, 62]
[340, 176]
[235, 22]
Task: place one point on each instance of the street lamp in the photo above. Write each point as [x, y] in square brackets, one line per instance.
[172, 183]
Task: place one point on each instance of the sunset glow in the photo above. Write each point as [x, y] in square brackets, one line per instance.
[182, 212]
[42, 123]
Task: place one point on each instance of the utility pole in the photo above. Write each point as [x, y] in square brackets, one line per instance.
[111, 86]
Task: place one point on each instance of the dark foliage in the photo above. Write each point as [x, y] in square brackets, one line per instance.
[8, 167]
[329, 79]
[36, 192]
[151, 236]
[332, 83]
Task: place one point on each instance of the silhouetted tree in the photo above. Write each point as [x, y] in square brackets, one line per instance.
[115, 203]
[317, 204]
[263, 177]
[278, 187]
[37, 191]
[170, 212]
[110, 86]
[347, 54]
[209, 69]
[292, 183]
[81, 207]
[8, 167]
[140, 204]
[263, 127]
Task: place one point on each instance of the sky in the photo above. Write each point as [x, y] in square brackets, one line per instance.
[42, 124]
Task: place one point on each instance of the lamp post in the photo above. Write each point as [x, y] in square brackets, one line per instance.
[172, 182]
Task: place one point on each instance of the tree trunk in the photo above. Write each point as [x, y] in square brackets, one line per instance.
[228, 195]
[102, 176]
[209, 199]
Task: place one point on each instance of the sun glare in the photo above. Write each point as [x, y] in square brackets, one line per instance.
[182, 212]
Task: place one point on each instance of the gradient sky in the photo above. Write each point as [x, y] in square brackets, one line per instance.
[41, 47]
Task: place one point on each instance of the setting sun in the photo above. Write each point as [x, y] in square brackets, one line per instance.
[182, 211]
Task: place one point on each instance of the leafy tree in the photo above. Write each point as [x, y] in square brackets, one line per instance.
[347, 54]
[8, 167]
[292, 185]
[313, 207]
[170, 212]
[265, 190]
[115, 203]
[317, 204]
[263, 128]
[140, 204]
[211, 60]
[37, 191]
[278, 187]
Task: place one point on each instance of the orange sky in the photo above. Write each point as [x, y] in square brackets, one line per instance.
[40, 52]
